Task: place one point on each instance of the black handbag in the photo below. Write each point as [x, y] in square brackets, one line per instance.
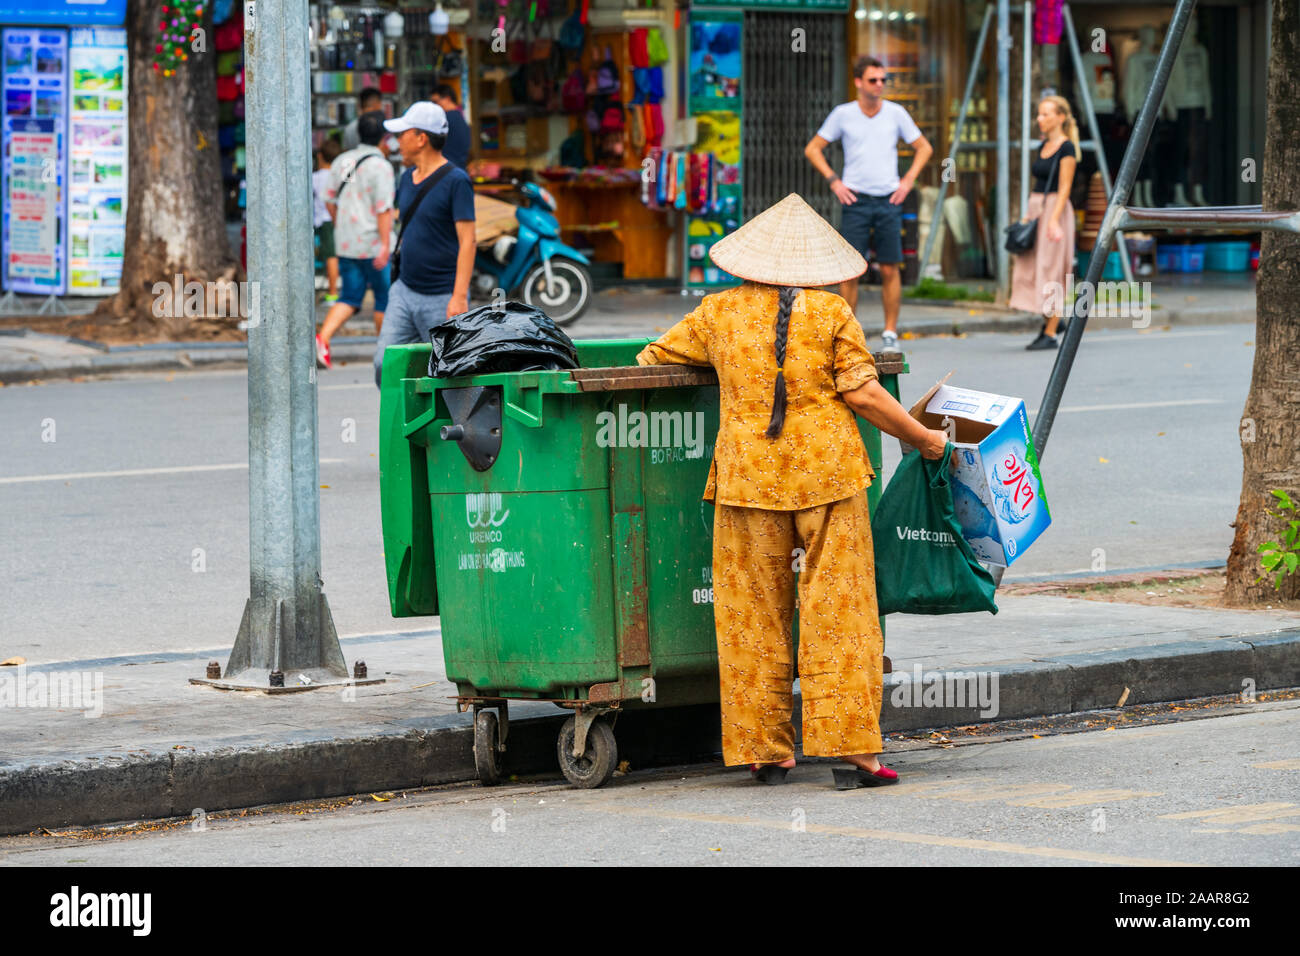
[1020, 236]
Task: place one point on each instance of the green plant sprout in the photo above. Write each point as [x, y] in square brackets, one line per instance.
[1281, 556]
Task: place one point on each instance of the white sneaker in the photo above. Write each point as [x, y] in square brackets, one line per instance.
[890, 341]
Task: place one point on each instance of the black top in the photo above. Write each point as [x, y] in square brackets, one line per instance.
[1042, 168]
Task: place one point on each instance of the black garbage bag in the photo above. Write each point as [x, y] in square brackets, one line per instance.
[499, 337]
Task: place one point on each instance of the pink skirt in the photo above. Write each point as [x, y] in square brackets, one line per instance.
[1038, 276]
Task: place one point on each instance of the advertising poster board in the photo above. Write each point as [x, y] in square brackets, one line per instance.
[97, 154]
[34, 88]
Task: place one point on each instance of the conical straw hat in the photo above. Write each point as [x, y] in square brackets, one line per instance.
[788, 244]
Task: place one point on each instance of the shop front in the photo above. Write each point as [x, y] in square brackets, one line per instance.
[1208, 136]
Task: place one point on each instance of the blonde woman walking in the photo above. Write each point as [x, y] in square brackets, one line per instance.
[1038, 276]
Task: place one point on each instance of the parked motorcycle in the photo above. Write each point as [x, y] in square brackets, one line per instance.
[535, 265]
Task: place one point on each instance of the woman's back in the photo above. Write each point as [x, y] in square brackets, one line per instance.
[818, 455]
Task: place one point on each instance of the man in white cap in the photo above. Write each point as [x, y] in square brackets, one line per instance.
[434, 258]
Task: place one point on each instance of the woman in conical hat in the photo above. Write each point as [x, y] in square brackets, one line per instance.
[788, 482]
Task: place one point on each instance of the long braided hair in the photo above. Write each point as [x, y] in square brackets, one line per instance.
[785, 299]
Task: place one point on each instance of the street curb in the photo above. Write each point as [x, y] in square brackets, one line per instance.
[142, 786]
[183, 357]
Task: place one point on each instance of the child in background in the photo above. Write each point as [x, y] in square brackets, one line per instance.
[323, 223]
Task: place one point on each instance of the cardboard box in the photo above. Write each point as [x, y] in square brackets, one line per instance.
[997, 488]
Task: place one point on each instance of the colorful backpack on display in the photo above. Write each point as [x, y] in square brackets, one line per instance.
[656, 48]
[612, 119]
[637, 53]
[573, 35]
[574, 93]
[607, 82]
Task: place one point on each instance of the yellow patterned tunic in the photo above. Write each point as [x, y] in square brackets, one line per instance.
[819, 456]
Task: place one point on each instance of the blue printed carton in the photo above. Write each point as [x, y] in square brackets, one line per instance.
[997, 489]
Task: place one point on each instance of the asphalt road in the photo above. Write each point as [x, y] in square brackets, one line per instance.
[128, 532]
[1215, 791]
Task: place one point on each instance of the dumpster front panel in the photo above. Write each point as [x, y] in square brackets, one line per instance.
[526, 590]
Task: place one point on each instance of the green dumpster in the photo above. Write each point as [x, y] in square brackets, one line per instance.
[554, 521]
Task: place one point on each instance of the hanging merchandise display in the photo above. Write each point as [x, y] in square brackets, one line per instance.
[707, 181]
[1048, 21]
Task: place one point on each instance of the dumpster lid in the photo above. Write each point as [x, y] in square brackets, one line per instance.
[674, 376]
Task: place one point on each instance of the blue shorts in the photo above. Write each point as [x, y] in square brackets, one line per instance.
[360, 274]
[875, 222]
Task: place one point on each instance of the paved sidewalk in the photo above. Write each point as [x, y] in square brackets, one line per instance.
[626, 312]
[163, 746]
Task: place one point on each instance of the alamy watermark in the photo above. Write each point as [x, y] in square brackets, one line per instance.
[682, 431]
[220, 299]
[1106, 300]
[55, 690]
[948, 689]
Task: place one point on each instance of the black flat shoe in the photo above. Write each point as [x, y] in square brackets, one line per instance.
[771, 774]
[852, 778]
[1044, 341]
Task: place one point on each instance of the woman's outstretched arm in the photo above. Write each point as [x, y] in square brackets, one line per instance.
[877, 406]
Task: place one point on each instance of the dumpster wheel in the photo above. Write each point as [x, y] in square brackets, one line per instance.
[599, 758]
[487, 749]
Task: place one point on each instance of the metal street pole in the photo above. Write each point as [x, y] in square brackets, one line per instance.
[287, 629]
[1025, 84]
[1004, 141]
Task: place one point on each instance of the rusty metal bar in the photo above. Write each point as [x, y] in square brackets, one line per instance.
[642, 376]
[1222, 218]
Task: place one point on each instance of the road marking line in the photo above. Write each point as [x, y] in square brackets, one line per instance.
[1081, 798]
[137, 472]
[1155, 335]
[1292, 764]
[1247, 813]
[1124, 406]
[924, 839]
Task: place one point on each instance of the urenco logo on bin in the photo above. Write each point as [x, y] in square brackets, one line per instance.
[485, 514]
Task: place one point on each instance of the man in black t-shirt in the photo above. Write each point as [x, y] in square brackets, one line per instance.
[436, 255]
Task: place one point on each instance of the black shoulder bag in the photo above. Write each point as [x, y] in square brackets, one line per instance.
[1021, 235]
[429, 183]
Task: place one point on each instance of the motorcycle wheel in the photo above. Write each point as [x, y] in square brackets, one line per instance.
[570, 296]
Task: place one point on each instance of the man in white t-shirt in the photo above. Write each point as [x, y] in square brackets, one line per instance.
[871, 190]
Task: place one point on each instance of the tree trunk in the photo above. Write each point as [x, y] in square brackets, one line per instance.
[175, 223]
[1270, 428]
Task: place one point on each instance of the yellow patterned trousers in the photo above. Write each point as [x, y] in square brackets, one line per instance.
[756, 555]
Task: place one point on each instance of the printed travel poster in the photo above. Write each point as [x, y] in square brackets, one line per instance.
[97, 128]
[33, 144]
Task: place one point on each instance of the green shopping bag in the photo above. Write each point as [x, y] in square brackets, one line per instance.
[923, 564]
